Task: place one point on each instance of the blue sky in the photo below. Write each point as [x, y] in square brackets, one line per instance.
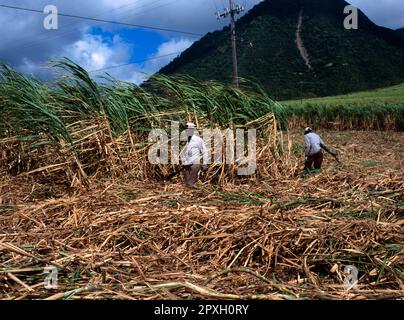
[27, 46]
[146, 46]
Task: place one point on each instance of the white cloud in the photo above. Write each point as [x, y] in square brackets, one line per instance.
[172, 46]
[137, 73]
[93, 52]
[97, 56]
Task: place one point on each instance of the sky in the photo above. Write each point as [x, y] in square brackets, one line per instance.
[139, 52]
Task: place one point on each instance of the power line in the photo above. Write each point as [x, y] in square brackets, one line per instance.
[69, 28]
[106, 21]
[70, 31]
[134, 62]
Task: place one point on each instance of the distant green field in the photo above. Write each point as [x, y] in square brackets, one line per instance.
[394, 94]
[381, 109]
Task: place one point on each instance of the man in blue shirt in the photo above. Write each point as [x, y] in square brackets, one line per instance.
[313, 146]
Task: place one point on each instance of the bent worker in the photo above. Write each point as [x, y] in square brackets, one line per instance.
[191, 156]
[313, 146]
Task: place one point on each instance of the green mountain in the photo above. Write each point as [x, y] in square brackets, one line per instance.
[329, 59]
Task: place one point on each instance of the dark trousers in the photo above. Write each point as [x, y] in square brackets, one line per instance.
[315, 160]
[191, 174]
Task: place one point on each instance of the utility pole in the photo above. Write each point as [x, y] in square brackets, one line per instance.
[232, 12]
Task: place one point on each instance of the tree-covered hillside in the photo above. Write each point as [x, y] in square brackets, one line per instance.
[340, 60]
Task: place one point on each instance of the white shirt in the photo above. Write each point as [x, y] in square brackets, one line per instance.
[312, 143]
[191, 154]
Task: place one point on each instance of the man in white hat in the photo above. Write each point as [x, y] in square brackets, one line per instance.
[313, 146]
[191, 156]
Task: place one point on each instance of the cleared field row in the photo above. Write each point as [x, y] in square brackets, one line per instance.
[286, 238]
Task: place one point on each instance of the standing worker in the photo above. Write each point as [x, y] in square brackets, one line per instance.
[191, 156]
[313, 146]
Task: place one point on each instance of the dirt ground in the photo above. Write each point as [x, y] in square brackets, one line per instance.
[289, 238]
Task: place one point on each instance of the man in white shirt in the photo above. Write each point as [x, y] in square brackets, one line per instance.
[191, 156]
[313, 146]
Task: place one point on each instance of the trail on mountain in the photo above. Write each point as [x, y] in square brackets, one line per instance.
[299, 41]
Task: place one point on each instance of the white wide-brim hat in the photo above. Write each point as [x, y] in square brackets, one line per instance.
[190, 125]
